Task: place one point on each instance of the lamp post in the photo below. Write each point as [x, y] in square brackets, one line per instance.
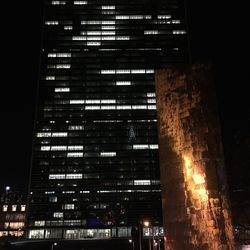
[133, 243]
[140, 236]
[146, 224]
[53, 244]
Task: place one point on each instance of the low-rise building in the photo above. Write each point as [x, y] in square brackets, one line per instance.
[12, 214]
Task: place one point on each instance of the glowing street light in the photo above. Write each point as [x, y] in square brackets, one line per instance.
[53, 244]
[133, 243]
[146, 223]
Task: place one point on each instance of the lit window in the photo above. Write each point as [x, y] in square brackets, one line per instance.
[71, 223]
[176, 21]
[164, 22]
[36, 234]
[122, 17]
[150, 94]
[92, 107]
[140, 146]
[179, 32]
[138, 71]
[107, 71]
[136, 17]
[58, 215]
[93, 38]
[51, 22]
[50, 78]
[151, 106]
[93, 22]
[76, 127]
[108, 101]
[93, 101]
[75, 154]
[78, 38]
[68, 27]
[109, 49]
[68, 206]
[108, 22]
[108, 107]
[84, 192]
[60, 134]
[108, 7]
[123, 71]
[45, 148]
[80, 2]
[142, 182]
[108, 12]
[59, 55]
[91, 33]
[123, 107]
[52, 199]
[75, 147]
[93, 43]
[52, 55]
[163, 16]
[139, 106]
[108, 38]
[62, 89]
[150, 32]
[108, 27]
[73, 176]
[5, 208]
[153, 146]
[153, 100]
[128, 71]
[43, 134]
[39, 223]
[63, 66]
[49, 192]
[68, 192]
[108, 33]
[122, 38]
[123, 83]
[14, 225]
[56, 176]
[77, 101]
[14, 208]
[108, 154]
[58, 148]
[58, 2]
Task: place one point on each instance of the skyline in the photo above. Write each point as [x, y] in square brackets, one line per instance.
[18, 124]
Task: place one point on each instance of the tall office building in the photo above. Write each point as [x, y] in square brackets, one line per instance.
[95, 170]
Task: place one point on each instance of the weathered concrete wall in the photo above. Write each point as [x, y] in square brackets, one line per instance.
[196, 214]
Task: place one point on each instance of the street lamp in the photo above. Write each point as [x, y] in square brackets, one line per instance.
[53, 244]
[146, 223]
[133, 243]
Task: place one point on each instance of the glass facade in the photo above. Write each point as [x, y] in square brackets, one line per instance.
[95, 170]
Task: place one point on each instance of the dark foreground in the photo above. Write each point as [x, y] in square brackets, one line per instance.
[88, 244]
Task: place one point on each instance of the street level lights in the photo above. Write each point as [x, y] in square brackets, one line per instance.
[153, 243]
[146, 224]
[53, 244]
[133, 243]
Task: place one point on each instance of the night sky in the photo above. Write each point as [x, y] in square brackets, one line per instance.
[218, 35]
